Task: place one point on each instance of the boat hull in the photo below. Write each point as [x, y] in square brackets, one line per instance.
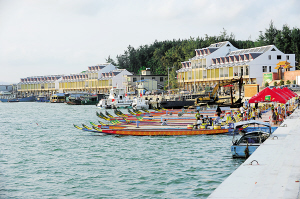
[176, 104]
[239, 151]
[165, 132]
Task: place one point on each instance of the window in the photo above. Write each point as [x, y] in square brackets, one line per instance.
[287, 57]
[264, 69]
[278, 56]
[161, 79]
[142, 78]
[270, 69]
[269, 57]
[134, 79]
[153, 78]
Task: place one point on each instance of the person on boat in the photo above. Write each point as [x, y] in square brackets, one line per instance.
[199, 122]
[197, 115]
[164, 123]
[242, 110]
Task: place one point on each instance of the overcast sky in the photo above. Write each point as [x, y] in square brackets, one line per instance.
[50, 37]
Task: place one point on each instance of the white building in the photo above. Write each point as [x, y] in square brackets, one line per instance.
[222, 61]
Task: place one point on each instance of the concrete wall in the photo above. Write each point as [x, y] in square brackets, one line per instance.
[291, 75]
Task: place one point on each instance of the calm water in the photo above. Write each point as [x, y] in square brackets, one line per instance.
[44, 156]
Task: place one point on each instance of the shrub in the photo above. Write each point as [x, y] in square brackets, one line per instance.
[266, 84]
[294, 81]
[275, 83]
[281, 83]
[288, 82]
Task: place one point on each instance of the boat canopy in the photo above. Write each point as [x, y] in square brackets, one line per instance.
[253, 122]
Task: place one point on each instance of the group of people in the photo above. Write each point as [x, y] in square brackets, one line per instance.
[200, 120]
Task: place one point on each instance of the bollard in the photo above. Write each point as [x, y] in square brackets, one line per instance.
[137, 124]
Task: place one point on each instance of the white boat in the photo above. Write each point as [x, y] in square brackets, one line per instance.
[140, 103]
[116, 99]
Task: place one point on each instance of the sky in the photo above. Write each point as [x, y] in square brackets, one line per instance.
[54, 37]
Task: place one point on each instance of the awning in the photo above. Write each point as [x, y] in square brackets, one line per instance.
[282, 93]
[267, 95]
[289, 91]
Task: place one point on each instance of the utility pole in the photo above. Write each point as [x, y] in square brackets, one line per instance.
[194, 78]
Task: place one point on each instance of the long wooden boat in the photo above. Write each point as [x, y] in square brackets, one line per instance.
[164, 132]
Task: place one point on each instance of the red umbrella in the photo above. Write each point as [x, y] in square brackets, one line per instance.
[229, 85]
[267, 95]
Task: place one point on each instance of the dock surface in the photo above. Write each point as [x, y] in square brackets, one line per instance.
[272, 171]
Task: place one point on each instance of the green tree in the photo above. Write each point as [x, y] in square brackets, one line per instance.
[275, 83]
[110, 60]
[288, 82]
[270, 34]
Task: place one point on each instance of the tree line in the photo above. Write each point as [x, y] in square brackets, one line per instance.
[163, 55]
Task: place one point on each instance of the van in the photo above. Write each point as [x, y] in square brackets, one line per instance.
[294, 87]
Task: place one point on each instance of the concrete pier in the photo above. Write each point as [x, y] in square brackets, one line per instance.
[272, 171]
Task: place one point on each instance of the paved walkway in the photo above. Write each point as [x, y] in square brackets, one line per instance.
[275, 168]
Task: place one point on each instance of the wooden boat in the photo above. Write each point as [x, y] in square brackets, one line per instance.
[154, 131]
[164, 132]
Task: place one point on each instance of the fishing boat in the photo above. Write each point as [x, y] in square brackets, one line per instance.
[251, 135]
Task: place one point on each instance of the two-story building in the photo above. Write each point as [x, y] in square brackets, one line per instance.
[131, 80]
[97, 79]
[222, 61]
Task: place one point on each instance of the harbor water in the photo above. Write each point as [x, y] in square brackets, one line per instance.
[44, 156]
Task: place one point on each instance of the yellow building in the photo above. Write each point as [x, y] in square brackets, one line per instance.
[97, 79]
[222, 61]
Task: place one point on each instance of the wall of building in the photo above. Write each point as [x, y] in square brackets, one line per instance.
[291, 75]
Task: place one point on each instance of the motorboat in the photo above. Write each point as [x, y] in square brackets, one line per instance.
[140, 103]
[251, 134]
[115, 100]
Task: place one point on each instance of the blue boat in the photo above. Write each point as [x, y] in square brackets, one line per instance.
[42, 99]
[251, 135]
[19, 99]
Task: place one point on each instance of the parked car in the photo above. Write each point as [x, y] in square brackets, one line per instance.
[294, 87]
